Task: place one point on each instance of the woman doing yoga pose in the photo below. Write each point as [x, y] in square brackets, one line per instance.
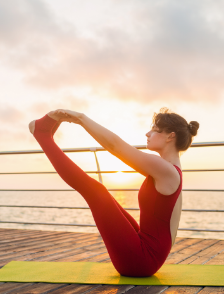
[135, 250]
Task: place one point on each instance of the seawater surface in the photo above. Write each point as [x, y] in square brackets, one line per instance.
[194, 200]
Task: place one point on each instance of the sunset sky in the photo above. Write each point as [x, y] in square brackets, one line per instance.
[116, 61]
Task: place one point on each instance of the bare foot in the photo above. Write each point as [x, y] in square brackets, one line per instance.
[55, 115]
[70, 116]
[32, 126]
[58, 115]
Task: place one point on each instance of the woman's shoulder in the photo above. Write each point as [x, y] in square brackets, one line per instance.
[169, 184]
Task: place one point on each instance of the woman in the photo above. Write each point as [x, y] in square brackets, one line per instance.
[136, 251]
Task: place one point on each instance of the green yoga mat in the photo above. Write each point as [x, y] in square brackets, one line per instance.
[105, 273]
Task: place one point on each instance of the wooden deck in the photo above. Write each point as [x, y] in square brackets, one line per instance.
[36, 245]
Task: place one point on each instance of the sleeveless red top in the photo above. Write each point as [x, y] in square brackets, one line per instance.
[155, 214]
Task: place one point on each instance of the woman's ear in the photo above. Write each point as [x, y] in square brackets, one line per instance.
[171, 136]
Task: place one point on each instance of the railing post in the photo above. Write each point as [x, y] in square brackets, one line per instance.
[97, 164]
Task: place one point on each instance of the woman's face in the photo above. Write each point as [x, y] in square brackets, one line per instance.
[155, 140]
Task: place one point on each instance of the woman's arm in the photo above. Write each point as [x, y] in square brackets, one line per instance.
[145, 164]
[102, 135]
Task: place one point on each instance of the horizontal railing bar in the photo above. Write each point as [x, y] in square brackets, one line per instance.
[67, 150]
[114, 171]
[60, 207]
[50, 224]
[86, 207]
[200, 230]
[88, 172]
[89, 225]
[57, 190]
[72, 190]
[87, 149]
[203, 210]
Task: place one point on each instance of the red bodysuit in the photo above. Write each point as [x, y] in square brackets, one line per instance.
[136, 251]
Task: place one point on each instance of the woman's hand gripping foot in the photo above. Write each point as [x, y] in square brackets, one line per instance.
[70, 116]
[57, 115]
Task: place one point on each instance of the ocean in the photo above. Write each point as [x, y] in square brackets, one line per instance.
[195, 200]
[195, 158]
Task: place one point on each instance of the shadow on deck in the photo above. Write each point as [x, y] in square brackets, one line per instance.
[16, 244]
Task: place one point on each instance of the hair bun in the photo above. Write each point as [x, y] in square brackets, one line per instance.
[193, 127]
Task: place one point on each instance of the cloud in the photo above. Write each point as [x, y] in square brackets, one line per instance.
[10, 115]
[68, 101]
[172, 50]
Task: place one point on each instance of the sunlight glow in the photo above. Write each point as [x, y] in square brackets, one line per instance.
[120, 177]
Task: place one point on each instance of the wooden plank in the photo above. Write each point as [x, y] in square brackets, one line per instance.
[183, 244]
[30, 241]
[14, 233]
[217, 259]
[47, 243]
[47, 250]
[7, 231]
[110, 289]
[33, 239]
[28, 288]
[75, 288]
[107, 260]
[147, 289]
[48, 246]
[4, 240]
[98, 246]
[177, 239]
[17, 230]
[20, 236]
[185, 290]
[69, 253]
[30, 254]
[10, 232]
[5, 234]
[205, 255]
[208, 290]
[99, 258]
[190, 251]
[47, 237]
[73, 256]
[41, 245]
[81, 256]
[5, 287]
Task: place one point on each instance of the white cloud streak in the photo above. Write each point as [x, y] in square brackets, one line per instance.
[173, 52]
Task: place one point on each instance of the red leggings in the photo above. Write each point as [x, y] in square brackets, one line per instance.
[118, 228]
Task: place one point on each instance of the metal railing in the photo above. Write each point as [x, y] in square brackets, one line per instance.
[99, 172]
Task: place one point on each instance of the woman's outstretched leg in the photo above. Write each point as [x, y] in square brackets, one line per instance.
[52, 132]
[120, 236]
